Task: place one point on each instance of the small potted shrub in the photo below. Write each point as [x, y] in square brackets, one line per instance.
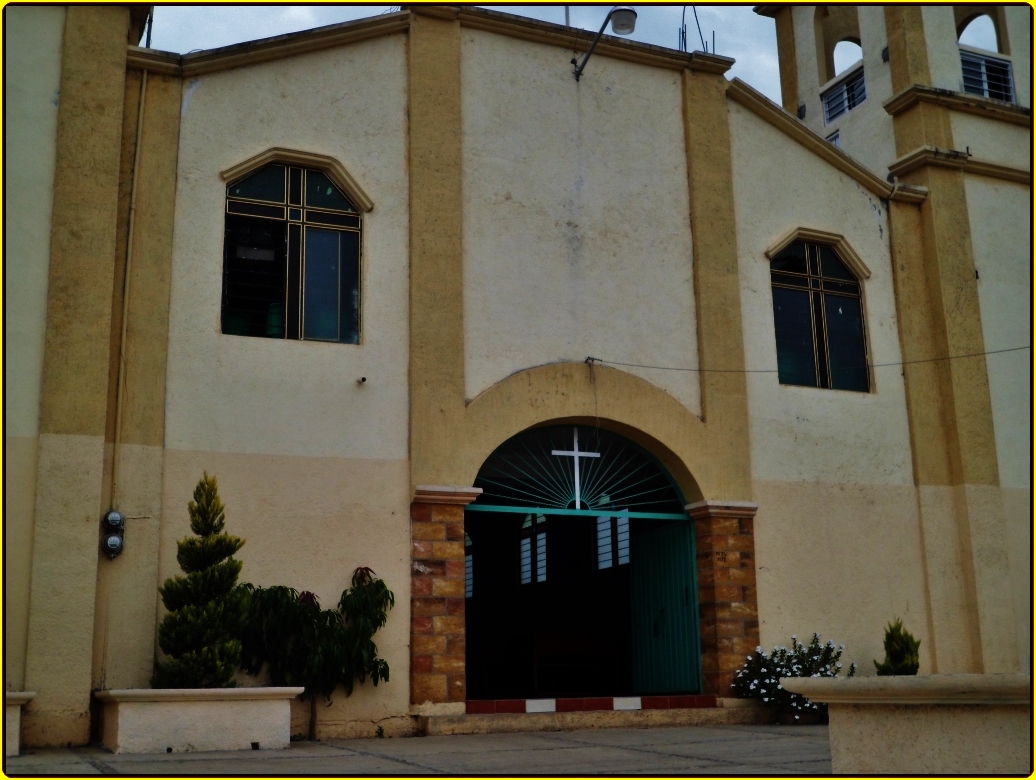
[760, 677]
[205, 606]
[901, 651]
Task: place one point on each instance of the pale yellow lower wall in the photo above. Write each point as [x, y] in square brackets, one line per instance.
[953, 649]
[841, 560]
[61, 598]
[1018, 513]
[20, 454]
[359, 716]
[308, 523]
[990, 560]
[127, 586]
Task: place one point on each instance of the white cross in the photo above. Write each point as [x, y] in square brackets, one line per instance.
[576, 454]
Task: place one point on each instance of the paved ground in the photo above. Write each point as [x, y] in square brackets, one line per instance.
[692, 750]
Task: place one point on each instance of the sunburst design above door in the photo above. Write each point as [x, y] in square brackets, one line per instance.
[547, 467]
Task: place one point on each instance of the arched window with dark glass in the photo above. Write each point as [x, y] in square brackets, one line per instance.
[291, 257]
[818, 319]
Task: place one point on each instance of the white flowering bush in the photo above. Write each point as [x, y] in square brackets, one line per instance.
[760, 677]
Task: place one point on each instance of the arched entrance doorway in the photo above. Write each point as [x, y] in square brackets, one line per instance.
[580, 571]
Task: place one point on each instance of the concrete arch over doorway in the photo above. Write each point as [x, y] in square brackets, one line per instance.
[615, 399]
[566, 393]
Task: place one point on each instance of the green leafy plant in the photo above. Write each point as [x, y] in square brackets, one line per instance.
[901, 656]
[301, 644]
[205, 606]
[760, 677]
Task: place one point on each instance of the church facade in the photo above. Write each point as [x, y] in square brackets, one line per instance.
[611, 379]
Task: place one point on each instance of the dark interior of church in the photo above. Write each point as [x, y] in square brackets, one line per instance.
[588, 606]
[567, 635]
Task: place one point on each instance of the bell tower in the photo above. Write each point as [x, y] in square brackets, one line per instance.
[845, 72]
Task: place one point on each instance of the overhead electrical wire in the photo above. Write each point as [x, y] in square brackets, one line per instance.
[591, 360]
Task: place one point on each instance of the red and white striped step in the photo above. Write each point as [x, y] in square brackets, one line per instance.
[510, 706]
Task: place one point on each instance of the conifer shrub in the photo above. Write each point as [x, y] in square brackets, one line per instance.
[301, 644]
[761, 675]
[901, 651]
[206, 605]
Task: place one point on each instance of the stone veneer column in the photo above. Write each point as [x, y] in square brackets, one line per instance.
[437, 674]
[729, 610]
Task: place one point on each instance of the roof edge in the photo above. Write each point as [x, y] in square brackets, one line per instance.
[319, 38]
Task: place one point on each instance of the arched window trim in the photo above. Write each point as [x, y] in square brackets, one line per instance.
[334, 170]
[814, 236]
[852, 261]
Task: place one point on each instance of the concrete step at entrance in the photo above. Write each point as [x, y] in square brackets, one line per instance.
[587, 704]
[730, 712]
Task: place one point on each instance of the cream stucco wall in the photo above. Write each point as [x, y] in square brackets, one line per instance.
[782, 188]
[992, 141]
[32, 75]
[1019, 36]
[313, 466]
[941, 45]
[1000, 214]
[302, 397]
[576, 227]
[837, 533]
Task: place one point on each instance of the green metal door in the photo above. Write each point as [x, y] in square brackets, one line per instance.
[666, 653]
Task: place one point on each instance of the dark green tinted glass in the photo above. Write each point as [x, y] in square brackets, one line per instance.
[265, 184]
[350, 295]
[253, 277]
[832, 267]
[793, 324]
[322, 283]
[845, 343]
[794, 281]
[792, 258]
[322, 194]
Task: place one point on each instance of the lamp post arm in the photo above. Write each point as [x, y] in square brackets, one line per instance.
[579, 68]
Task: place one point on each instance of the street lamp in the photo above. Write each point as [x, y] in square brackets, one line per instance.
[623, 19]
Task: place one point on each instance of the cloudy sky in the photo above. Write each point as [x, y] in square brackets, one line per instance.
[741, 34]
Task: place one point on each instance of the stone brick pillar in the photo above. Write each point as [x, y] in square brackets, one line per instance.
[725, 537]
[437, 677]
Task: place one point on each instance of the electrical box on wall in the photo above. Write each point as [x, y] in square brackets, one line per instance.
[113, 527]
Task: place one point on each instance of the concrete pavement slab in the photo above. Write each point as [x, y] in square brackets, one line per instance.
[689, 750]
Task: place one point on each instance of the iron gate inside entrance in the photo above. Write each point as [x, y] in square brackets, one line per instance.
[580, 572]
